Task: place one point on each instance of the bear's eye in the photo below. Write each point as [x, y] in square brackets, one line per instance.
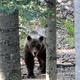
[41, 38]
[38, 46]
[32, 45]
[29, 38]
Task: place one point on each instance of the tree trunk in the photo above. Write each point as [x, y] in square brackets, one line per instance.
[77, 37]
[9, 47]
[51, 66]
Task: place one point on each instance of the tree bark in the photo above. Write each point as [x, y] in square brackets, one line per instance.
[77, 37]
[9, 47]
[51, 60]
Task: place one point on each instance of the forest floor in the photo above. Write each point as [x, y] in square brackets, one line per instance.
[65, 69]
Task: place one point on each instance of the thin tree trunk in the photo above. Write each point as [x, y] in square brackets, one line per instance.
[77, 37]
[51, 67]
[9, 47]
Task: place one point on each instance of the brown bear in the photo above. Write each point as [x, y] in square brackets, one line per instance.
[35, 47]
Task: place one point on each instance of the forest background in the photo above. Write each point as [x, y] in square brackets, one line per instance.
[33, 13]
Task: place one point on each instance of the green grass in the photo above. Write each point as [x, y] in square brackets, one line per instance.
[67, 25]
[69, 28]
[70, 41]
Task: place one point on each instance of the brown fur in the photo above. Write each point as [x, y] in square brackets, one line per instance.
[35, 47]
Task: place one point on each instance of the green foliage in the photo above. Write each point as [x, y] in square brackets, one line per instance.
[21, 40]
[29, 27]
[69, 27]
[28, 9]
[8, 6]
[34, 9]
[59, 21]
[70, 41]
[43, 21]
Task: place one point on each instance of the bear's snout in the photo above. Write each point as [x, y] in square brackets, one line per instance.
[35, 53]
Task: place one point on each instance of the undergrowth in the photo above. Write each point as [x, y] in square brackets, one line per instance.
[65, 24]
[68, 26]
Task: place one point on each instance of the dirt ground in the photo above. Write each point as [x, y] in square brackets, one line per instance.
[65, 69]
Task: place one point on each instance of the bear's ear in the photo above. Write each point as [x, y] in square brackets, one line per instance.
[29, 38]
[41, 38]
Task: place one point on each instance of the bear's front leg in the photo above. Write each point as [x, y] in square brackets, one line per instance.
[30, 67]
[29, 61]
[43, 70]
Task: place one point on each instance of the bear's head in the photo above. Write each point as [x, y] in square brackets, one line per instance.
[35, 43]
